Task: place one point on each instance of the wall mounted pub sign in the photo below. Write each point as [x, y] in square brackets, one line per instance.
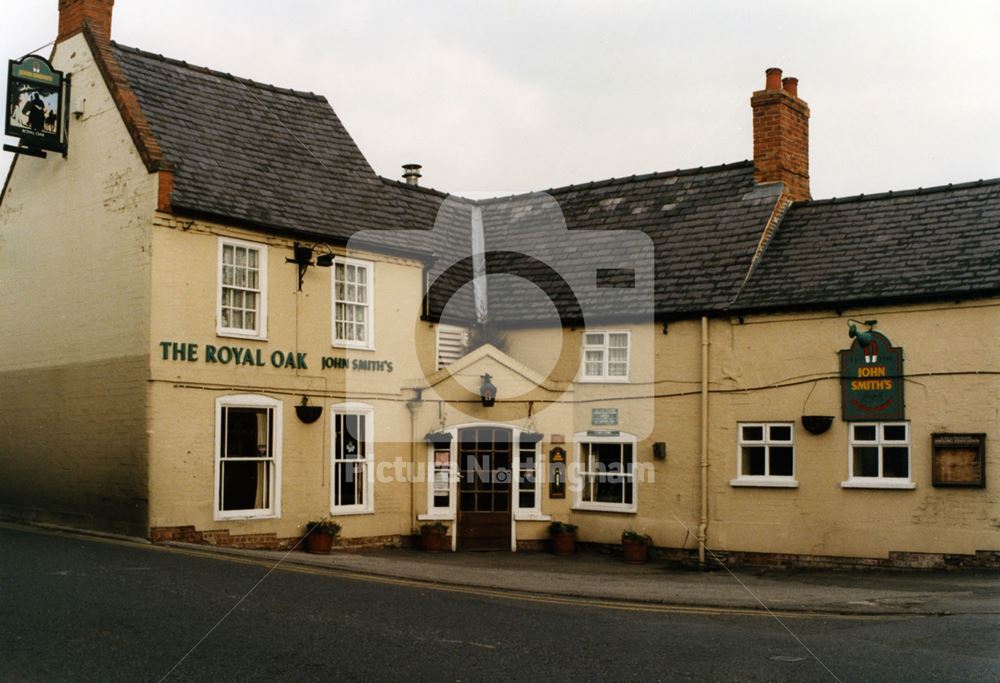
[36, 111]
[871, 380]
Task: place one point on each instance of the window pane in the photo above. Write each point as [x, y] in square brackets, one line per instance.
[617, 369]
[594, 339]
[245, 433]
[894, 432]
[441, 500]
[865, 461]
[753, 461]
[618, 340]
[244, 485]
[780, 433]
[895, 461]
[781, 461]
[864, 432]
[227, 253]
[753, 433]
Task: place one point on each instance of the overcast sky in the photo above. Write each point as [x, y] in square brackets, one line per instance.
[513, 95]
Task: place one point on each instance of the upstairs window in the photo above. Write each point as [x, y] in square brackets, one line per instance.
[605, 356]
[242, 294]
[353, 288]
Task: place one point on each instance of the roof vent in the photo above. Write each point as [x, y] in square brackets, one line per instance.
[411, 172]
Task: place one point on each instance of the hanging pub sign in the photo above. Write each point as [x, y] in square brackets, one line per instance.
[871, 379]
[36, 111]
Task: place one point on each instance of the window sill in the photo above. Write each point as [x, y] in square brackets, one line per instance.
[437, 516]
[531, 517]
[904, 484]
[351, 347]
[766, 483]
[626, 509]
[236, 334]
[249, 516]
[340, 513]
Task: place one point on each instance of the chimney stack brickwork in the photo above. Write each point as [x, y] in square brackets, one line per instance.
[95, 13]
[781, 136]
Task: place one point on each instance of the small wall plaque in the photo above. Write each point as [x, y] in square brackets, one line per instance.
[959, 460]
[557, 473]
[604, 416]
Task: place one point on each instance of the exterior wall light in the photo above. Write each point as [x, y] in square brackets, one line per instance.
[487, 391]
[864, 337]
[302, 257]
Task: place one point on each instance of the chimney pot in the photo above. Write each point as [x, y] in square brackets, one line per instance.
[773, 79]
[781, 136]
[96, 14]
[411, 172]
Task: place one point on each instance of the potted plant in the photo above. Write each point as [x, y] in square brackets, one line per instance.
[635, 546]
[320, 535]
[434, 537]
[563, 538]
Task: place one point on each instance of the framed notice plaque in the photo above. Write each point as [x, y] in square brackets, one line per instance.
[959, 460]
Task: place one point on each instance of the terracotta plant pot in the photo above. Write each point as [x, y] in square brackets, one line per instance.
[319, 543]
[635, 552]
[434, 541]
[563, 544]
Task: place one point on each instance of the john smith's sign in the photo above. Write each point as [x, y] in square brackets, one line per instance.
[871, 381]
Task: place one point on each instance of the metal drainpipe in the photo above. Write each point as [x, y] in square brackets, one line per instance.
[412, 407]
[703, 523]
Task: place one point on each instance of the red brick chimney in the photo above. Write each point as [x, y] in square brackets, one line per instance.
[95, 13]
[781, 136]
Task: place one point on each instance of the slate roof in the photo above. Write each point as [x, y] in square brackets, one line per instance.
[255, 153]
[446, 224]
[897, 246]
[703, 226]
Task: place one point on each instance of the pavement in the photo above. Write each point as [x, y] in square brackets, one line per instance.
[593, 577]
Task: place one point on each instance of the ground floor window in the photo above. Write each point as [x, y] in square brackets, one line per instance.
[528, 498]
[248, 447]
[441, 476]
[353, 457]
[879, 454]
[765, 454]
[607, 473]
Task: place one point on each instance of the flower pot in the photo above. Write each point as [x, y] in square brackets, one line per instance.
[563, 544]
[635, 552]
[319, 543]
[433, 541]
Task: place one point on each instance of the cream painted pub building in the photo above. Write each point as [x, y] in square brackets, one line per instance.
[218, 323]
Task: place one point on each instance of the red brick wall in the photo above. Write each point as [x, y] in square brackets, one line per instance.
[781, 137]
[73, 14]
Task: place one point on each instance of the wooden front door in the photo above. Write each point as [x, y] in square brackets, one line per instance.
[484, 505]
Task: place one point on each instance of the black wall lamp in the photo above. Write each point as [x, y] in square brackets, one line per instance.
[303, 258]
[487, 391]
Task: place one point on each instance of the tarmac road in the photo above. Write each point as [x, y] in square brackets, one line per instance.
[79, 608]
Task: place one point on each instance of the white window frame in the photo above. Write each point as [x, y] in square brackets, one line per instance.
[879, 482]
[766, 479]
[249, 401]
[442, 327]
[535, 511]
[580, 473]
[604, 376]
[518, 513]
[261, 330]
[368, 412]
[369, 343]
[448, 512]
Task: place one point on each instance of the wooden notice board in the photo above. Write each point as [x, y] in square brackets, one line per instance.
[959, 460]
